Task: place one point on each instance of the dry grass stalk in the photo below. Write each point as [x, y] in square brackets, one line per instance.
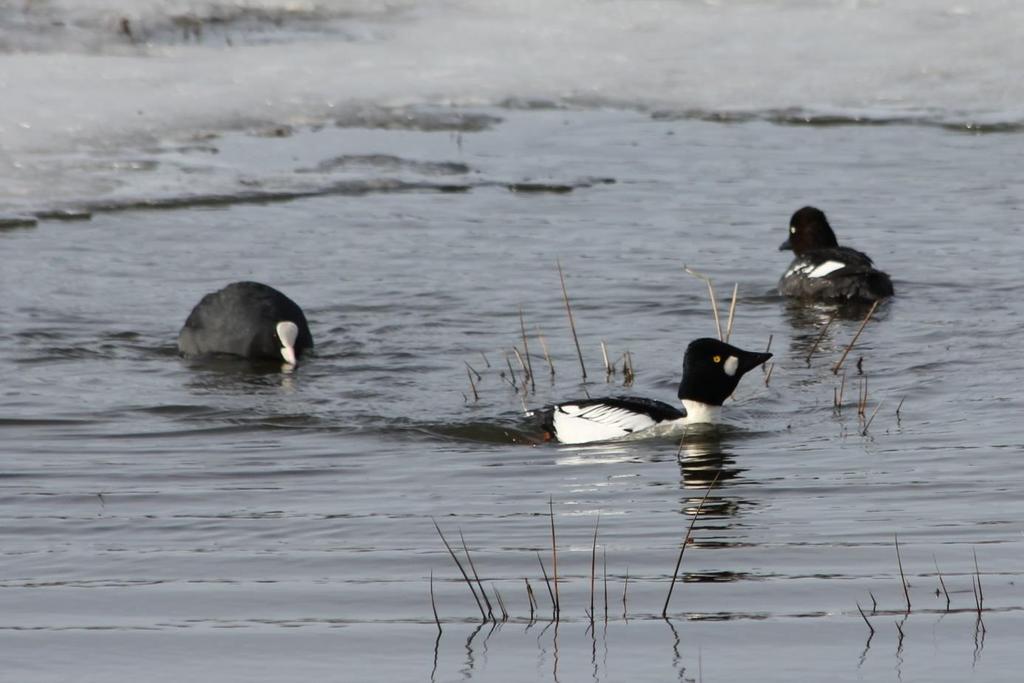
[711, 293]
[572, 321]
[903, 578]
[871, 311]
[471, 369]
[526, 349]
[864, 432]
[530, 597]
[609, 369]
[628, 373]
[766, 350]
[820, 337]
[544, 346]
[472, 384]
[942, 583]
[732, 311]
[899, 408]
[842, 390]
[483, 593]
[433, 604]
[487, 363]
[768, 375]
[554, 559]
[461, 569]
[686, 541]
[527, 377]
[874, 603]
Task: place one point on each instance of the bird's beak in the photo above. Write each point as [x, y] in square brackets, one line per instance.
[288, 353]
[786, 246]
[751, 360]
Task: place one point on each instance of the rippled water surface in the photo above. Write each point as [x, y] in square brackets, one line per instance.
[178, 518]
[412, 174]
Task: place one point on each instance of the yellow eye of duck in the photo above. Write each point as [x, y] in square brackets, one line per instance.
[717, 359]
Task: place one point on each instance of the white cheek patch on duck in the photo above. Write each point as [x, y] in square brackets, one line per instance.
[732, 363]
[826, 268]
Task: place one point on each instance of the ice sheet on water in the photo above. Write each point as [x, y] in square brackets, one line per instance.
[103, 74]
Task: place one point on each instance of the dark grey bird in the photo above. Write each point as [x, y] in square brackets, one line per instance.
[246, 319]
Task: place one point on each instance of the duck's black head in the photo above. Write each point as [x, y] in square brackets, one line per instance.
[712, 369]
[809, 230]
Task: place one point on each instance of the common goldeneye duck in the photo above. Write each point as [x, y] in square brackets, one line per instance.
[246, 319]
[711, 371]
[825, 271]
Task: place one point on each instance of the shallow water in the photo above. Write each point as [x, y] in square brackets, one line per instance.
[195, 518]
[163, 518]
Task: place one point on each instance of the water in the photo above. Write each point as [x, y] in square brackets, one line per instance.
[166, 518]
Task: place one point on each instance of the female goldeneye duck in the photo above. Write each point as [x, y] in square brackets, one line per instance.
[825, 271]
[711, 371]
[246, 319]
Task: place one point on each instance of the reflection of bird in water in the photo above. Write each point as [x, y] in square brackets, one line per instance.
[703, 463]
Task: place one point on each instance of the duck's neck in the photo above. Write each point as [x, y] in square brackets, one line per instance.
[700, 413]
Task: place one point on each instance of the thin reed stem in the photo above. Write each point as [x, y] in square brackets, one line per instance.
[530, 597]
[544, 346]
[547, 581]
[768, 375]
[604, 560]
[461, 569]
[766, 350]
[554, 559]
[483, 593]
[472, 384]
[842, 390]
[625, 589]
[871, 311]
[433, 603]
[865, 618]
[711, 293]
[511, 374]
[609, 370]
[903, 578]
[572, 321]
[501, 603]
[864, 432]
[977, 572]
[686, 540]
[593, 566]
[732, 311]
[820, 337]
[526, 349]
[942, 583]
[527, 377]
